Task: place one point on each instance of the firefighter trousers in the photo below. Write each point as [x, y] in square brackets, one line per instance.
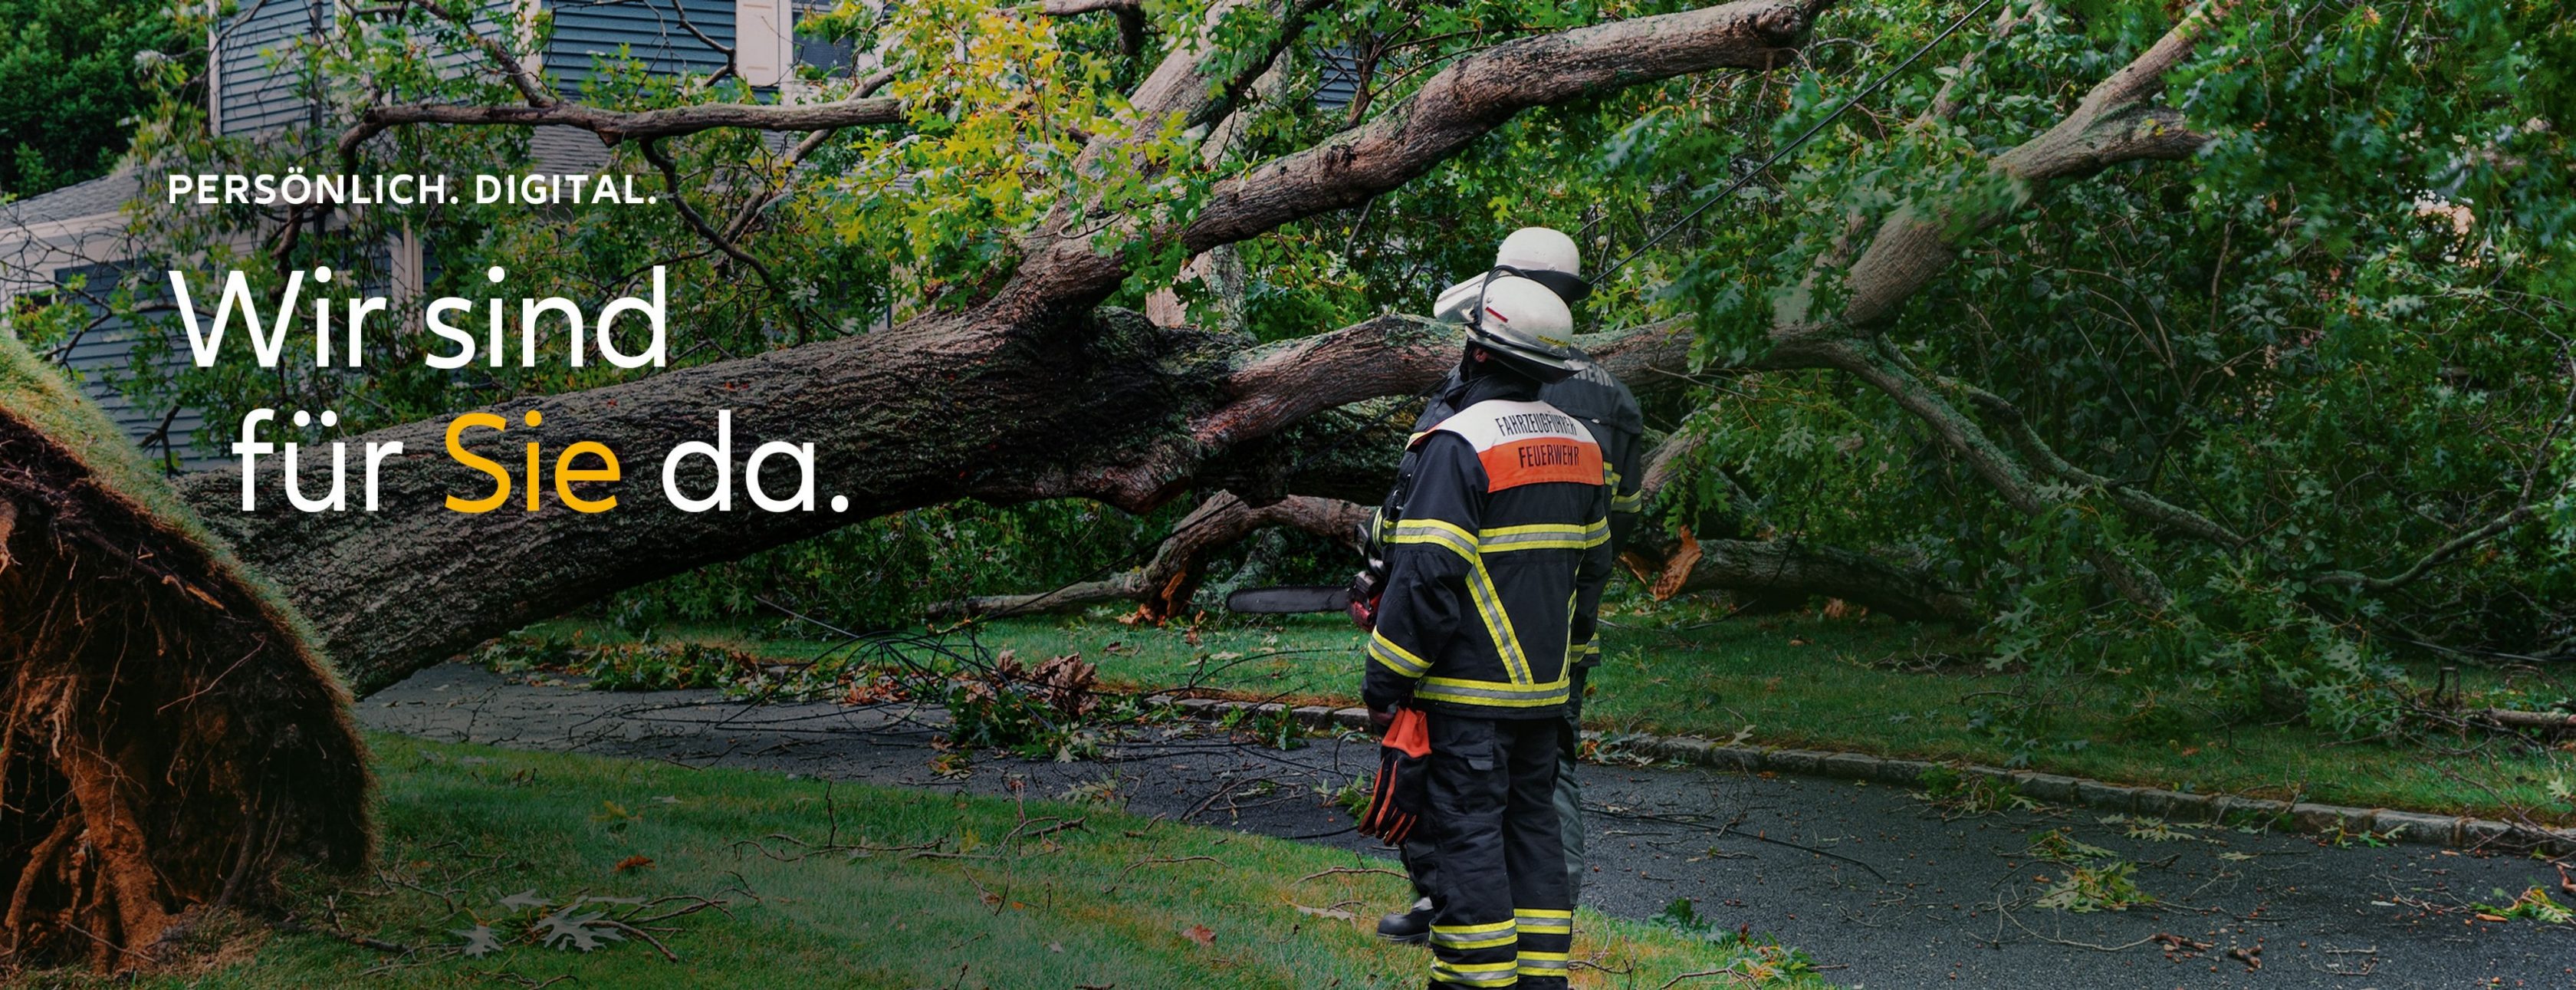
[1503, 918]
[1423, 863]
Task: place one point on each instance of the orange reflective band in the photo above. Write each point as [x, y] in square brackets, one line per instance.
[1538, 459]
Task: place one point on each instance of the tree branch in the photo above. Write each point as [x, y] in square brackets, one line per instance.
[1395, 354]
[652, 148]
[530, 87]
[1919, 241]
[2524, 508]
[796, 156]
[2136, 501]
[1750, 564]
[2109, 126]
[1166, 584]
[1472, 96]
[1481, 92]
[614, 126]
[2435, 558]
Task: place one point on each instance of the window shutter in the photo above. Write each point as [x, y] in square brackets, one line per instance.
[764, 40]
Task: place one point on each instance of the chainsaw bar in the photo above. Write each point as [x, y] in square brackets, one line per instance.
[1289, 599]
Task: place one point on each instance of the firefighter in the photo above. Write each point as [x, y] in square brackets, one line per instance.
[1592, 394]
[1493, 578]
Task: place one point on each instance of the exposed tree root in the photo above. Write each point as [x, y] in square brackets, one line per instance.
[165, 735]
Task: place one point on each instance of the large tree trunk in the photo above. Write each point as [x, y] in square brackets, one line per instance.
[1122, 411]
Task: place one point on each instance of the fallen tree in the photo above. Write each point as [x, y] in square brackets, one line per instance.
[1013, 377]
[1030, 390]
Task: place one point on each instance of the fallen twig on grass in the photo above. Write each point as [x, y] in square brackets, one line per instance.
[703, 903]
[292, 926]
[1155, 861]
[1059, 825]
[642, 934]
[1350, 870]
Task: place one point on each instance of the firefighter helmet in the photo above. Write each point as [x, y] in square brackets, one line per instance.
[1525, 324]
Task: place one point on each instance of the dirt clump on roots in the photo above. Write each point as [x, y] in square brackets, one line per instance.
[168, 737]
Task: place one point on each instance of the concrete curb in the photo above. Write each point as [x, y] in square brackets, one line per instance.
[2311, 819]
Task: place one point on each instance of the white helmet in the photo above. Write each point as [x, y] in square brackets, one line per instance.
[1539, 249]
[1524, 323]
[1541, 254]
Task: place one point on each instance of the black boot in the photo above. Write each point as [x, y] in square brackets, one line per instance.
[1411, 926]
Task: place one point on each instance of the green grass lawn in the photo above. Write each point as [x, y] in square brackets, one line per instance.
[1808, 682]
[927, 890]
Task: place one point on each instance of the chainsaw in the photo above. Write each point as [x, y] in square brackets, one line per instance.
[1287, 599]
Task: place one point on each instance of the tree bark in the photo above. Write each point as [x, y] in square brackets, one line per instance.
[1789, 567]
[1121, 411]
[1163, 587]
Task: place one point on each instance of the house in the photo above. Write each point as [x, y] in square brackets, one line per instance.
[74, 242]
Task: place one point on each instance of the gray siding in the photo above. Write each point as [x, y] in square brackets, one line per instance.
[106, 355]
[650, 30]
[259, 88]
[1338, 82]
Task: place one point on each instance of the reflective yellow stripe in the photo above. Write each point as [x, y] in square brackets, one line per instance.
[1543, 536]
[1434, 531]
[1470, 972]
[1395, 658]
[1494, 694]
[1544, 963]
[1627, 503]
[1498, 926]
[1498, 624]
[1543, 921]
[1574, 529]
[1469, 942]
[1480, 588]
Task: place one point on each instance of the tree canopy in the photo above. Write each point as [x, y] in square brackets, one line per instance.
[2215, 349]
[70, 80]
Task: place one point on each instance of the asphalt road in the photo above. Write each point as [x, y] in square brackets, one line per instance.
[1869, 879]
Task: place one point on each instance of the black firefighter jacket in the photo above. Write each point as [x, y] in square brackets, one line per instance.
[1495, 570]
[1592, 395]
